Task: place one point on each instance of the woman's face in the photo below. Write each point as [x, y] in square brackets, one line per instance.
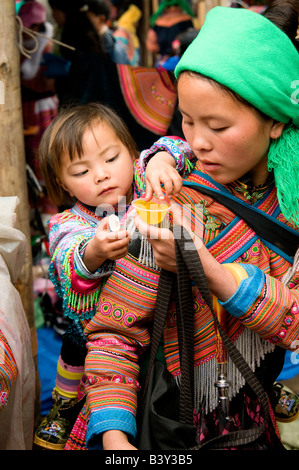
[228, 137]
[104, 173]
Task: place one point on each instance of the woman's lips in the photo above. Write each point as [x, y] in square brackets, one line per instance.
[209, 166]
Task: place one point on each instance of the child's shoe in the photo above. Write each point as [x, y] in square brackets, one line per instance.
[286, 406]
[54, 430]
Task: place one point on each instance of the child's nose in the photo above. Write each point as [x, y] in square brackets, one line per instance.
[101, 174]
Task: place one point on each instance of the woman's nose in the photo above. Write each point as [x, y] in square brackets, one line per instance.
[201, 142]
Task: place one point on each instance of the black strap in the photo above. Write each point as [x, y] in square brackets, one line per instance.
[180, 286]
[165, 288]
[196, 272]
[278, 234]
[189, 265]
[185, 321]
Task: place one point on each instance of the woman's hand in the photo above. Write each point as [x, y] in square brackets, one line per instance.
[221, 282]
[162, 242]
[161, 170]
[105, 245]
[162, 239]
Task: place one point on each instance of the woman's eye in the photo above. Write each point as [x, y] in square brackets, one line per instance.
[218, 129]
[187, 123]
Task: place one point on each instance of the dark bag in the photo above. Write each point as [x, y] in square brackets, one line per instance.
[165, 412]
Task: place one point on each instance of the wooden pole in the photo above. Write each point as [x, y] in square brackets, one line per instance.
[201, 12]
[13, 163]
[147, 57]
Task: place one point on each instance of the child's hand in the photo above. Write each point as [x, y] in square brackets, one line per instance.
[161, 170]
[116, 440]
[105, 245]
[111, 245]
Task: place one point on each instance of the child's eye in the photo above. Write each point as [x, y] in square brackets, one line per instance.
[112, 159]
[81, 173]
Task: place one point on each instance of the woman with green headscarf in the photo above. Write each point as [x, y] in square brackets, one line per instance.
[171, 18]
[238, 91]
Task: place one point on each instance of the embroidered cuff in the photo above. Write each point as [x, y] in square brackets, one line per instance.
[247, 293]
[109, 419]
[163, 144]
[106, 268]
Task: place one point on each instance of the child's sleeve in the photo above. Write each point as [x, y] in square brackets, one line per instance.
[180, 151]
[177, 148]
[78, 288]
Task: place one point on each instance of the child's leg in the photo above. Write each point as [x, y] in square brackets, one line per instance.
[70, 368]
[54, 430]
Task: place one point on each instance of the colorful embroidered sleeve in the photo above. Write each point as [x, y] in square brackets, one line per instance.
[177, 148]
[8, 370]
[116, 336]
[68, 235]
[267, 306]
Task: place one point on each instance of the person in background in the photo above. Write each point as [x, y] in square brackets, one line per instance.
[17, 370]
[125, 33]
[98, 12]
[171, 18]
[39, 99]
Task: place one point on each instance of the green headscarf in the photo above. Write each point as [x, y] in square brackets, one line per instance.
[183, 4]
[250, 55]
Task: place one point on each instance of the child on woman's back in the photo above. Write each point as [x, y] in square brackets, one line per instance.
[89, 158]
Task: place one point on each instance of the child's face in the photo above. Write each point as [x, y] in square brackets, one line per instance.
[228, 137]
[104, 173]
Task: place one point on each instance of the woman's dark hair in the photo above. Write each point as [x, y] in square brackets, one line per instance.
[98, 7]
[284, 14]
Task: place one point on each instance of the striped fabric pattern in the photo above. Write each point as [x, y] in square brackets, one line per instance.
[149, 95]
[8, 370]
[68, 379]
[117, 334]
[230, 242]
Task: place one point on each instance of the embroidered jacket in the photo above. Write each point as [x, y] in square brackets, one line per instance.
[69, 232]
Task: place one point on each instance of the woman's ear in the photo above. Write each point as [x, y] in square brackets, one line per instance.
[276, 129]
